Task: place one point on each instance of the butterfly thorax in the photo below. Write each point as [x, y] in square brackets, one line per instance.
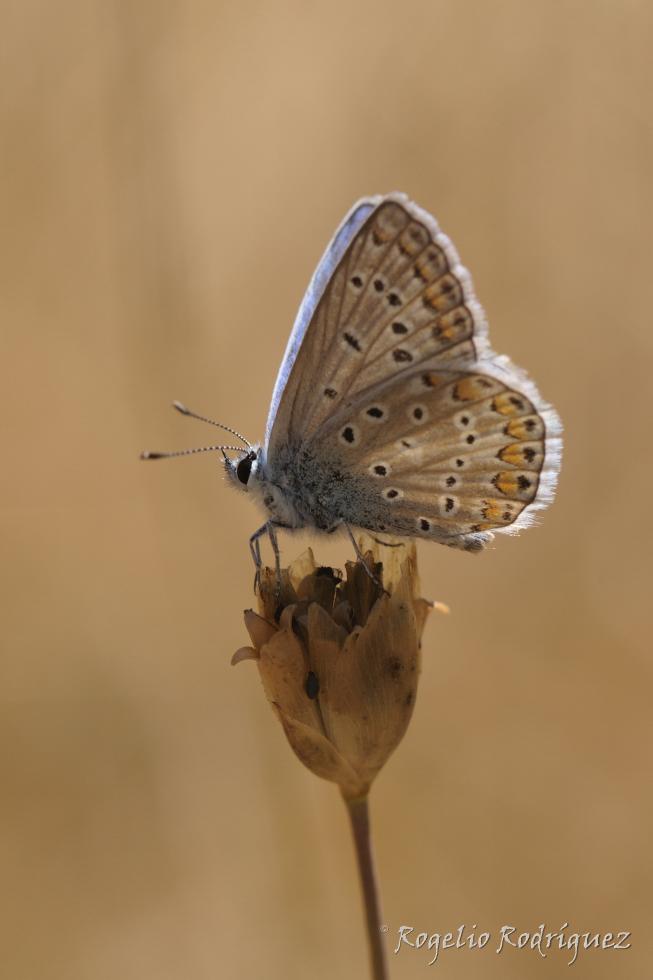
[301, 489]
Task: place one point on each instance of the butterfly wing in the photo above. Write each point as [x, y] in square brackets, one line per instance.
[389, 292]
[290, 372]
[393, 374]
[452, 454]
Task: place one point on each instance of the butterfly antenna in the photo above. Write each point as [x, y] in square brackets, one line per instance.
[186, 411]
[189, 452]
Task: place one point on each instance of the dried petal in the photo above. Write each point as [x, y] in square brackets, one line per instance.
[244, 653]
[374, 687]
[320, 755]
[260, 631]
[283, 668]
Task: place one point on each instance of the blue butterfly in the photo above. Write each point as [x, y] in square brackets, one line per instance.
[391, 412]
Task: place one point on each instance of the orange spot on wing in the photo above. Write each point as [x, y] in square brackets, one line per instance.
[516, 485]
[458, 319]
[519, 454]
[444, 294]
[509, 403]
[466, 390]
[529, 427]
[499, 513]
[512, 454]
[506, 483]
[407, 244]
[492, 511]
[473, 388]
[443, 332]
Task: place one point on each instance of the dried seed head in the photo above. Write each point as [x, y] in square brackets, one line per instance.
[339, 659]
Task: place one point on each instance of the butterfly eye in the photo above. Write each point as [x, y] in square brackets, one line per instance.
[244, 468]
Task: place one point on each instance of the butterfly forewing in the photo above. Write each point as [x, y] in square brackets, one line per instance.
[311, 325]
[392, 302]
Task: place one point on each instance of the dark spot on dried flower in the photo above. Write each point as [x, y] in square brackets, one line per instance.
[312, 685]
[394, 667]
[325, 571]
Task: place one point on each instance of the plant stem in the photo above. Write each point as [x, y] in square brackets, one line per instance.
[360, 824]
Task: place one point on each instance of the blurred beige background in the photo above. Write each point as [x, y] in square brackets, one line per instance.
[171, 174]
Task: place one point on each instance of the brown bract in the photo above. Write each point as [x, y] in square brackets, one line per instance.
[339, 659]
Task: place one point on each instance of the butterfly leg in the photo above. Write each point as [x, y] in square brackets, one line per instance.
[272, 534]
[268, 528]
[361, 557]
[255, 550]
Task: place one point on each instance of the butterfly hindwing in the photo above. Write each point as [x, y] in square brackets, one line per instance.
[452, 454]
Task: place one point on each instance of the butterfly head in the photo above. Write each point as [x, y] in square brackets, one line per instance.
[243, 470]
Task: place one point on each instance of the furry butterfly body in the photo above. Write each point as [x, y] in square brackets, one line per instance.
[391, 412]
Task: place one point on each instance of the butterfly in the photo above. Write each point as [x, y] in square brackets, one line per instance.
[391, 412]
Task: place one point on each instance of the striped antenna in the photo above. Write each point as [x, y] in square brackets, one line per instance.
[202, 418]
[146, 454]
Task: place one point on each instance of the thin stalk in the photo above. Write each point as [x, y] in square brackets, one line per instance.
[360, 825]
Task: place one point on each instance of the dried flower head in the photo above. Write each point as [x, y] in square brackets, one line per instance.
[339, 659]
